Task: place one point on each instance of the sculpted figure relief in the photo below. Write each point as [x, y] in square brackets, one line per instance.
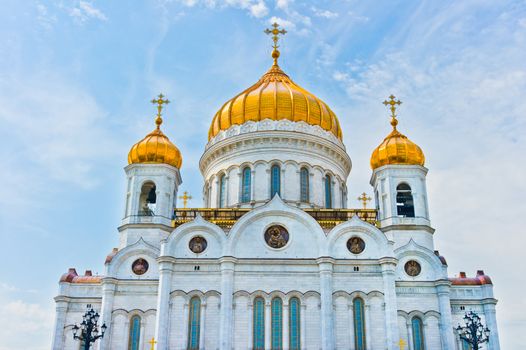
[140, 266]
[356, 245]
[412, 268]
[276, 236]
[197, 244]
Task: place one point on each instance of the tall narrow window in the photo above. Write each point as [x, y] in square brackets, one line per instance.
[328, 192]
[275, 180]
[304, 185]
[222, 191]
[418, 334]
[194, 325]
[245, 185]
[294, 324]
[135, 333]
[359, 324]
[147, 199]
[259, 324]
[404, 201]
[277, 324]
[466, 345]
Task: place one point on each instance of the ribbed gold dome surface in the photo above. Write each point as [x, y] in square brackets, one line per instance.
[156, 147]
[396, 148]
[275, 96]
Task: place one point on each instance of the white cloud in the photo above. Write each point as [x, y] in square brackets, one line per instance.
[283, 4]
[46, 19]
[85, 11]
[323, 13]
[259, 9]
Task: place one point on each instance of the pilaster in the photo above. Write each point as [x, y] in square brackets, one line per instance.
[163, 302]
[446, 320]
[227, 288]
[391, 307]
[327, 321]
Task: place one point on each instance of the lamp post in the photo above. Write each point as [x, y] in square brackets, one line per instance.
[474, 332]
[89, 328]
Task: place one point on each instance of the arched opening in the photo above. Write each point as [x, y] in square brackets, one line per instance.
[194, 323]
[275, 181]
[246, 182]
[304, 185]
[328, 191]
[359, 324]
[294, 324]
[135, 333]
[259, 324]
[222, 191]
[418, 333]
[277, 324]
[147, 199]
[404, 201]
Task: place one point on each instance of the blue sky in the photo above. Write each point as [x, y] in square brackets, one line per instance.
[76, 78]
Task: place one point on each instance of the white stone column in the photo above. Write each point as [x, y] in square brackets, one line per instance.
[491, 323]
[286, 327]
[163, 301]
[351, 326]
[186, 324]
[61, 308]
[202, 323]
[427, 340]
[368, 326]
[391, 306]
[108, 294]
[446, 319]
[227, 291]
[303, 326]
[142, 335]
[327, 322]
[409, 327]
[250, 326]
[268, 325]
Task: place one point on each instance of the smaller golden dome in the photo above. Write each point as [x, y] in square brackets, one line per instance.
[396, 148]
[156, 147]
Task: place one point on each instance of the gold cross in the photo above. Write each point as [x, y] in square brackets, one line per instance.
[364, 199]
[152, 342]
[185, 197]
[160, 101]
[393, 103]
[402, 344]
[275, 37]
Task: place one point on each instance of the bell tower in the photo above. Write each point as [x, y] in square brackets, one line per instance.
[153, 181]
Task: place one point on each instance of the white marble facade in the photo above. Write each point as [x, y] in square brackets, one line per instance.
[238, 267]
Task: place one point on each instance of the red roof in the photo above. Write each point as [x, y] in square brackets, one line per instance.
[479, 280]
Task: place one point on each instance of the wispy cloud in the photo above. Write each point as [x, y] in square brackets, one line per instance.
[323, 13]
[85, 11]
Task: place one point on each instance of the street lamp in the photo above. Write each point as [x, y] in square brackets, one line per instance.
[89, 328]
[474, 332]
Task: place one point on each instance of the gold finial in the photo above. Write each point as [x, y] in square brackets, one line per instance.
[393, 104]
[152, 343]
[364, 199]
[402, 344]
[185, 197]
[160, 101]
[275, 32]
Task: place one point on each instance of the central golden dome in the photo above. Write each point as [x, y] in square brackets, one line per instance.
[275, 96]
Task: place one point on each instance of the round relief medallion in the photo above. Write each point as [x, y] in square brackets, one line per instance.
[356, 245]
[276, 236]
[412, 268]
[140, 266]
[197, 244]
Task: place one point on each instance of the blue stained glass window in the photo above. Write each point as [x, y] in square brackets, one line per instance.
[359, 324]
[275, 180]
[304, 185]
[466, 345]
[418, 334]
[135, 333]
[259, 324]
[277, 324]
[294, 324]
[328, 192]
[194, 324]
[222, 191]
[245, 185]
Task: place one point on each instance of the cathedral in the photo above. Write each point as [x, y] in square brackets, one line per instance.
[275, 259]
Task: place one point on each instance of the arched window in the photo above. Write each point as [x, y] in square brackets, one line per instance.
[275, 180]
[304, 185]
[328, 192]
[418, 334]
[194, 325]
[404, 201]
[294, 324]
[135, 333]
[277, 324]
[147, 199]
[245, 185]
[259, 323]
[222, 191]
[359, 324]
[466, 345]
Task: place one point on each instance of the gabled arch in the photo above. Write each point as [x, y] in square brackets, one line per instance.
[141, 248]
[413, 250]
